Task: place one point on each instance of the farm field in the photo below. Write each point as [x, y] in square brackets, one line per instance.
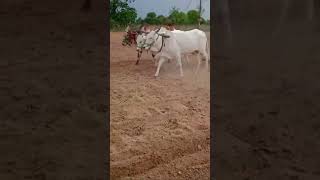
[159, 128]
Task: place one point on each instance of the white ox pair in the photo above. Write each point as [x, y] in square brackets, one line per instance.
[175, 44]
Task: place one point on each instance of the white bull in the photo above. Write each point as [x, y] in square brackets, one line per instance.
[193, 41]
[140, 42]
[141, 38]
[137, 36]
[173, 45]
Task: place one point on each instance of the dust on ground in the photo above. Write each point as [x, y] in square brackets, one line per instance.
[160, 128]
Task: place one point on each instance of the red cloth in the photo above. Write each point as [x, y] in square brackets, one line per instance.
[132, 37]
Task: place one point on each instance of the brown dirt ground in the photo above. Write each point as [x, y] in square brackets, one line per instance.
[160, 128]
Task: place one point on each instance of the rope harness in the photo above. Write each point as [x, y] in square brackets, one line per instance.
[154, 41]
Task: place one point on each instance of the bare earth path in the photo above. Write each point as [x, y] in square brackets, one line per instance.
[160, 128]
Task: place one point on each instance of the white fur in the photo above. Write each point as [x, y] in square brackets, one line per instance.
[170, 50]
[180, 43]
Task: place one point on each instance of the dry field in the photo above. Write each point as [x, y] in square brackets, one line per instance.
[160, 128]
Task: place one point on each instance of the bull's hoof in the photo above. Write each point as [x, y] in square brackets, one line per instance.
[137, 62]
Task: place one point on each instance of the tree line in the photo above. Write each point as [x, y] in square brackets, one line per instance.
[121, 14]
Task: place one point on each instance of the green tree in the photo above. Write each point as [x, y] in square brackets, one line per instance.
[167, 21]
[193, 16]
[151, 18]
[178, 17]
[121, 14]
[139, 21]
[182, 18]
[173, 14]
[161, 19]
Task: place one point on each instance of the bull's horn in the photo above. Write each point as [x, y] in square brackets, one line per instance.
[158, 29]
[127, 29]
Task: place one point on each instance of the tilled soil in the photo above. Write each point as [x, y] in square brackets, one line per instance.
[160, 128]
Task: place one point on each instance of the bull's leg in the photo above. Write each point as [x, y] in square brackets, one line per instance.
[161, 61]
[199, 63]
[186, 58]
[205, 57]
[154, 59]
[180, 64]
[182, 57]
[139, 57]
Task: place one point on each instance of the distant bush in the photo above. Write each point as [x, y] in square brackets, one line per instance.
[203, 27]
[122, 15]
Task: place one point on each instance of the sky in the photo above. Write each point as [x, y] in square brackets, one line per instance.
[162, 7]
